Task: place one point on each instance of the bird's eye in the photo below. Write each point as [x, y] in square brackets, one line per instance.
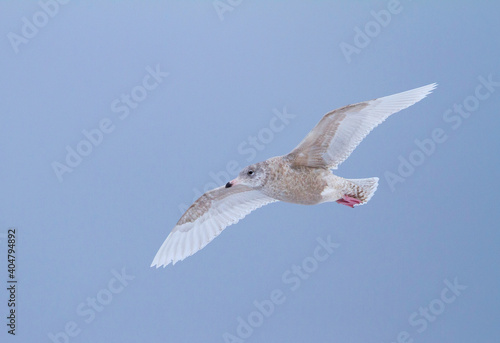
[250, 172]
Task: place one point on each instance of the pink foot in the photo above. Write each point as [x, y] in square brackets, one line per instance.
[348, 201]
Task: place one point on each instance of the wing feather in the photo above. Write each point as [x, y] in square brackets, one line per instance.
[339, 132]
[205, 220]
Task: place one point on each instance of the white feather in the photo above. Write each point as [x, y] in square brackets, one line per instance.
[190, 237]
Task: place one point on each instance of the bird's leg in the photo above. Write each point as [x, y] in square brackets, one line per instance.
[348, 201]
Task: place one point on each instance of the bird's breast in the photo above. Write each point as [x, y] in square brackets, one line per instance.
[301, 185]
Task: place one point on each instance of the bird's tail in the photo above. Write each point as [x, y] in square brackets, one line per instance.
[362, 189]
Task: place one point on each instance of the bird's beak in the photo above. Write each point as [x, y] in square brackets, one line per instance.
[232, 183]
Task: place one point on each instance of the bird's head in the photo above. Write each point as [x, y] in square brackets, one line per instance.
[251, 176]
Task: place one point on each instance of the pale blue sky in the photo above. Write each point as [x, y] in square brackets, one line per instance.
[94, 235]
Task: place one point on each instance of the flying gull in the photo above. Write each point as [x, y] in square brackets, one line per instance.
[302, 177]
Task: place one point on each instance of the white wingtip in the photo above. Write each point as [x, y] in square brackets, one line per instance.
[425, 90]
[410, 97]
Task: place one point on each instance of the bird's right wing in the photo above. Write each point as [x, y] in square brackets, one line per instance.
[339, 132]
[205, 220]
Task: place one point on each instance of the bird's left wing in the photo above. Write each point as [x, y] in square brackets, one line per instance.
[205, 220]
[339, 132]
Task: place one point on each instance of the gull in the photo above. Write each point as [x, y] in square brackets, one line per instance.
[302, 177]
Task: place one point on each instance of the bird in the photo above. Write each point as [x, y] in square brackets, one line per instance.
[303, 176]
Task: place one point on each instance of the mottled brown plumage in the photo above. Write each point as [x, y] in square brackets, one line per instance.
[302, 177]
